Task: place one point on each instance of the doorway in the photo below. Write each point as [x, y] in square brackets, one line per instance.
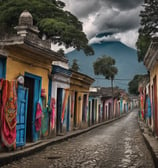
[2, 67]
[75, 110]
[59, 111]
[33, 83]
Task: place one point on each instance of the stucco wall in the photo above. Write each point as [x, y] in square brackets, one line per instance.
[13, 69]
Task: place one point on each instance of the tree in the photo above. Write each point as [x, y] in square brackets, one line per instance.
[149, 26]
[105, 66]
[60, 26]
[134, 83]
[61, 52]
[75, 65]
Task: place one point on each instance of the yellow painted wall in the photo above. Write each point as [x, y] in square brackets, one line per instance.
[13, 69]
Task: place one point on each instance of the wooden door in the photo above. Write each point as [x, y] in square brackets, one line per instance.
[22, 101]
[2, 67]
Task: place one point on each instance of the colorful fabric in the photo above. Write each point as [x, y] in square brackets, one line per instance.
[142, 106]
[45, 122]
[8, 113]
[38, 121]
[1, 83]
[52, 118]
[64, 105]
[149, 107]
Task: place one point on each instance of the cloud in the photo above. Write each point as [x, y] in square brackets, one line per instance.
[123, 4]
[98, 16]
[127, 38]
[104, 38]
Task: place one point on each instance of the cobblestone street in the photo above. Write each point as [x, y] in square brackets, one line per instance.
[118, 144]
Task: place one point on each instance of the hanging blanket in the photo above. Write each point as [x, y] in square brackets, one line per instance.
[8, 114]
[64, 105]
[1, 83]
[38, 121]
[52, 118]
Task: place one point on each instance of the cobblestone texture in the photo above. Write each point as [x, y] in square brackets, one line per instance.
[116, 145]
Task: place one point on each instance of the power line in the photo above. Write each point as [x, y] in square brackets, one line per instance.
[114, 79]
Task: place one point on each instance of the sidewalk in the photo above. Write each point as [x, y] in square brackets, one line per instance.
[151, 141]
[30, 148]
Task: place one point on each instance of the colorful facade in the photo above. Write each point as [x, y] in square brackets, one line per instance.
[60, 99]
[26, 62]
[79, 89]
[151, 99]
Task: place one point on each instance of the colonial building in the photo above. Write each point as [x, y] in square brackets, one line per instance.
[151, 63]
[27, 60]
[79, 90]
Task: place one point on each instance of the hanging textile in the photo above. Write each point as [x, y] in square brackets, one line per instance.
[45, 122]
[149, 107]
[38, 121]
[8, 114]
[64, 105]
[142, 107]
[45, 117]
[52, 118]
[1, 82]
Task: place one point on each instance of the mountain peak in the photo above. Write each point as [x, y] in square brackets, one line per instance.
[125, 57]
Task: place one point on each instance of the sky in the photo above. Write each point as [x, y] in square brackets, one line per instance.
[118, 17]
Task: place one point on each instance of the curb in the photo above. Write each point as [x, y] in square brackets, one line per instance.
[9, 157]
[151, 143]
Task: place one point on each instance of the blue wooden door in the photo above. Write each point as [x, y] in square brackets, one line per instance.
[37, 92]
[22, 100]
[2, 67]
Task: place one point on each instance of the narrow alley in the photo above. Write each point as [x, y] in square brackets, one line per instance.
[118, 144]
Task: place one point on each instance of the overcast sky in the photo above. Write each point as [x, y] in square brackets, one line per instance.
[120, 17]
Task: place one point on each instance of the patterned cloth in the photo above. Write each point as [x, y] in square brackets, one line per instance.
[64, 105]
[52, 118]
[38, 121]
[8, 114]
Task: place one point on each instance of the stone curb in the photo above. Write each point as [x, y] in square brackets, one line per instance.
[9, 157]
[150, 141]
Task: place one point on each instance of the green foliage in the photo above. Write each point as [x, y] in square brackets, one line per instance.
[149, 26]
[75, 65]
[142, 44]
[61, 52]
[59, 25]
[134, 83]
[105, 66]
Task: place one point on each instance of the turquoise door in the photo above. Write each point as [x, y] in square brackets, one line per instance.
[2, 67]
[37, 93]
[22, 100]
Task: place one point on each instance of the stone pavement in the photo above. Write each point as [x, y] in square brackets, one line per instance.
[119, 144]
[30, 148]
[151, 140]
